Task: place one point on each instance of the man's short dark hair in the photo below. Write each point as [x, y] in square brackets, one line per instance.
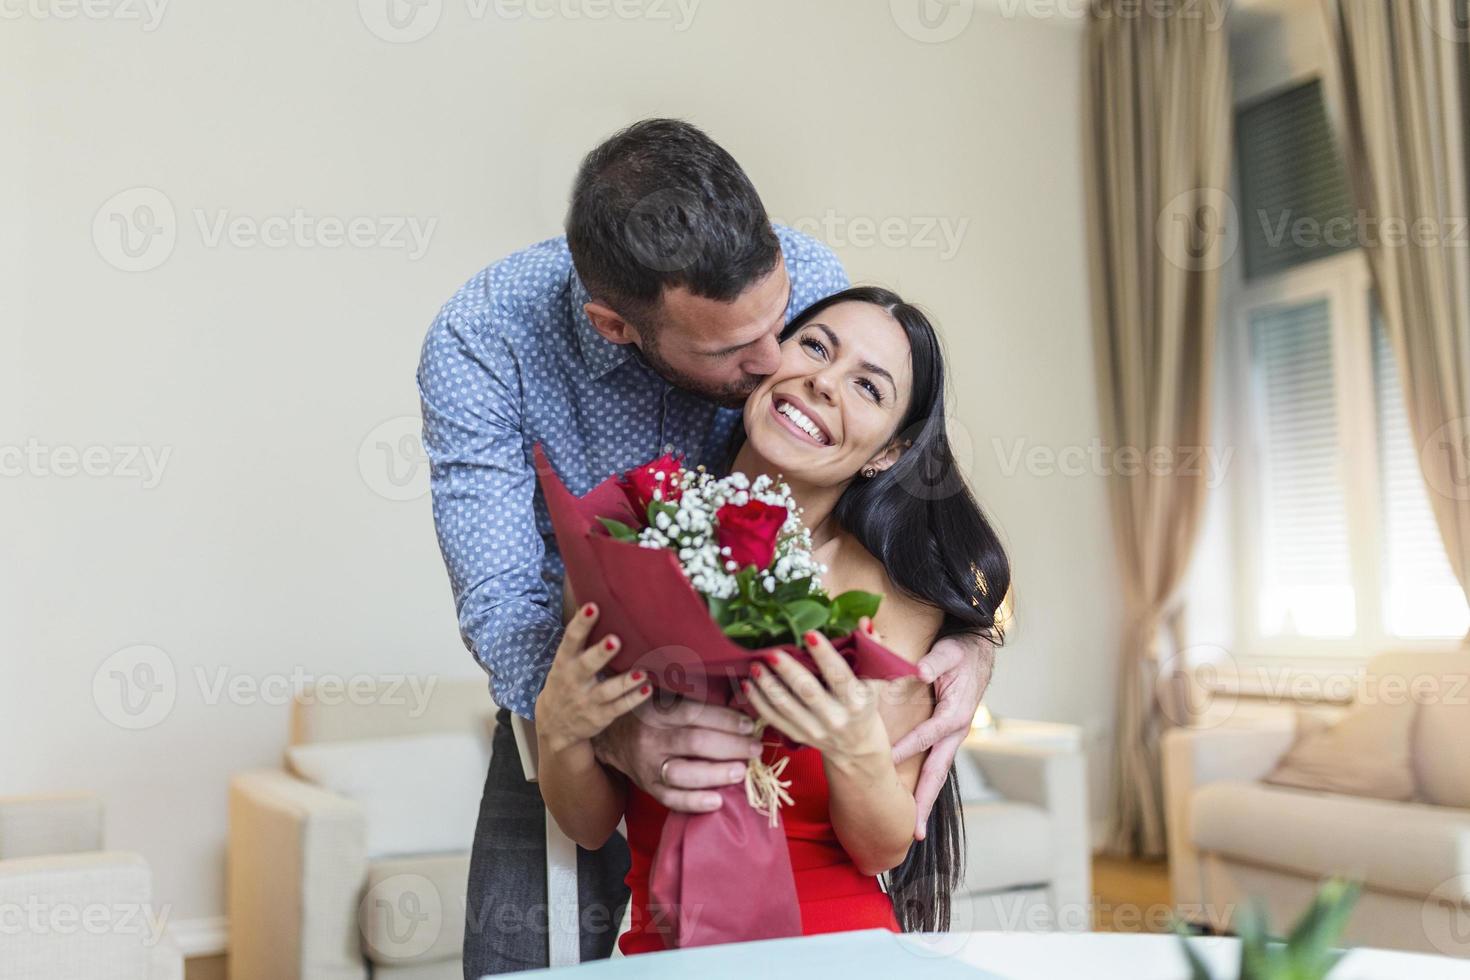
[660, 204]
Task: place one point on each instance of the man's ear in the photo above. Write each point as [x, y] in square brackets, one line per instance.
[889, 455]
[609, 324]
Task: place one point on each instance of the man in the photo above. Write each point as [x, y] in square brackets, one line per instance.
[639, 333]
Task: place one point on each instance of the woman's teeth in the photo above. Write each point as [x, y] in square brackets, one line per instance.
[802, 421]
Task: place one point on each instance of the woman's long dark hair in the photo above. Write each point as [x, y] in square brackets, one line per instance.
[920, 520]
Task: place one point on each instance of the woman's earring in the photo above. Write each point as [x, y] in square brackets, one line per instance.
[870, 471]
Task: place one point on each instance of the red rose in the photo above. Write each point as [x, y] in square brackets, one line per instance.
[749, 531]
[639, 483]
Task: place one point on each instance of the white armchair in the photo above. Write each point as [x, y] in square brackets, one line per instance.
[81, 913]
[1028, 856]
[307, 901]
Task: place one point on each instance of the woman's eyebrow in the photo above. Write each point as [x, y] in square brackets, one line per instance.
[868, 366]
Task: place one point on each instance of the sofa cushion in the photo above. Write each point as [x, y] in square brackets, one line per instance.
[420, 794]
[1364, 753]
[413, 909]
[1442, 730]
[1006, 844]
[1408, 848]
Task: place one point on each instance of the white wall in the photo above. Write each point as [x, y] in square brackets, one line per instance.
[265, 552]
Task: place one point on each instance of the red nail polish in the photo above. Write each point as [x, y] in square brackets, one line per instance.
[773, 659]
[588, 609]
[869, 627]
[811, 638]
[637, 676]
[644, 689]
[610, 643]
[755, 670]
[745, 687]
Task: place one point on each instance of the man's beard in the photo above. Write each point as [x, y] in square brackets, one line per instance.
[731, 395]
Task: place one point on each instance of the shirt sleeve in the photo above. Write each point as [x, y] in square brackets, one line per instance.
[484, 486]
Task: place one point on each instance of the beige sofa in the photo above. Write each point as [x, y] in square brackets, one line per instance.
[305, 902]
[1233, 838]
[1028, 857]
[76, 912]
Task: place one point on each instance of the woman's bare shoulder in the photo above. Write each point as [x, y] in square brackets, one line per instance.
[907, 625]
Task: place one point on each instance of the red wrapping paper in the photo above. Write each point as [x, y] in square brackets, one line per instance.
[723, 876]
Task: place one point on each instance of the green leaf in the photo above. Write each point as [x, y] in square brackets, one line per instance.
[804, 615]
[618, 529]
[1198, 970]
[719, 609]
[857, 603]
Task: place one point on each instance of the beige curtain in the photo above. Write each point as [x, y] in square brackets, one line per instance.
[1158, 159]
[1402, 77]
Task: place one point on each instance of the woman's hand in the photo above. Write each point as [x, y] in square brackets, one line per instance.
[840, 720]
[574, 705]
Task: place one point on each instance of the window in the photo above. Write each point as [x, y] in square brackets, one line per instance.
[1421, 596]
[1306, 588]
[1338, 547]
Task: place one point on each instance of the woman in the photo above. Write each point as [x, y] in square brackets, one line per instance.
[853, 420]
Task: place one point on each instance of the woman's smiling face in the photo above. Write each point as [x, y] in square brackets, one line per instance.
[835, 401]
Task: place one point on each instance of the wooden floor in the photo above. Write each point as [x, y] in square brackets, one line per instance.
[1129, 896]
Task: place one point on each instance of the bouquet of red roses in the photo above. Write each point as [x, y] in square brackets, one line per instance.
[700, 577]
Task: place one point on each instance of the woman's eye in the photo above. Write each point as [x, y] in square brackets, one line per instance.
[814, 345]
[871, 389]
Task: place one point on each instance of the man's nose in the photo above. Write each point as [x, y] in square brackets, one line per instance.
[763, 358]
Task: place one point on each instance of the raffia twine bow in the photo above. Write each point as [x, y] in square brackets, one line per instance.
[765, 790]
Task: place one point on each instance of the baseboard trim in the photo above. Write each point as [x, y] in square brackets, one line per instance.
[208, 936]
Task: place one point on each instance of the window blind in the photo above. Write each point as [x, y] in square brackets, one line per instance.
[1306, 582]
[1295, 202]
[1421, 596]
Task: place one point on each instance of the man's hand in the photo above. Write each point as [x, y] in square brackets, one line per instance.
[959, 668]
[679, 754]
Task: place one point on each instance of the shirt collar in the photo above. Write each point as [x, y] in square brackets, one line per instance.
[598, 353]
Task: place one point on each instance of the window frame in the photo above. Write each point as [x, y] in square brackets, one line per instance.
[1345, 282]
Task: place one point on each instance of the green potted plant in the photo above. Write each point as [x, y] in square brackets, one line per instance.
[1310, 952]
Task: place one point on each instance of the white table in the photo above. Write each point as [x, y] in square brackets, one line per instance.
[878, 955]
